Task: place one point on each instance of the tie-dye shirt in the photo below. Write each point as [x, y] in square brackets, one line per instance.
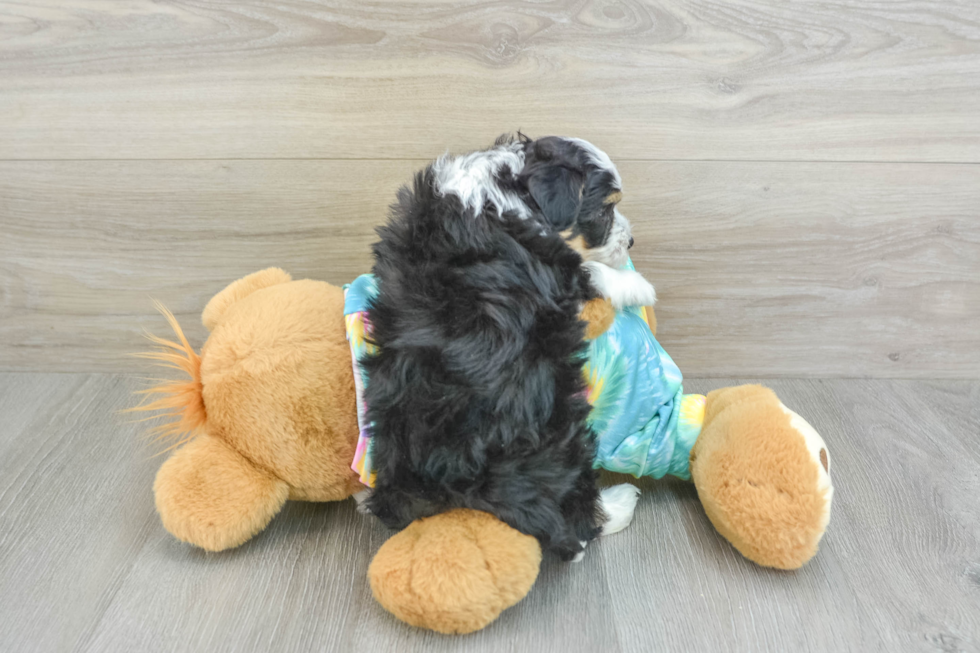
[644, 423]
[357, 299]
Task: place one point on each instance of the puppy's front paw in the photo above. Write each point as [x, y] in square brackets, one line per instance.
[621, 287]
[648, 295]
[631, 289]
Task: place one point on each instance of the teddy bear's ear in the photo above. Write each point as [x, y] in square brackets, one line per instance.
[240, 289]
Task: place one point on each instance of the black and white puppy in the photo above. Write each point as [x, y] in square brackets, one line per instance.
[477, 397]
[558, 168]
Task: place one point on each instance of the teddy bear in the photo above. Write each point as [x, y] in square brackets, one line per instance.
[269, 413]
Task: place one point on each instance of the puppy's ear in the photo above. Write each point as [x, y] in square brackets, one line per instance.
[557, 192]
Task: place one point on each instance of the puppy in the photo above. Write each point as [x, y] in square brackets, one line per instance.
[476, 395]
[595, 228]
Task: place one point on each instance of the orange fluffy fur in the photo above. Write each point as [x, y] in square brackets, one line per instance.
[182, 401]
[756, 480]
[454, 572]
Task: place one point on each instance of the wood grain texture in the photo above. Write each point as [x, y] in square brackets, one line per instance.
[762, 269]
[741, 79]
[834, 270]
[86, 566]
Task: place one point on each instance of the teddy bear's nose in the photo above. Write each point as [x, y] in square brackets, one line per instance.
[631, 243]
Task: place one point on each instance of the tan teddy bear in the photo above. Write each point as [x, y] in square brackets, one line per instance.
[268, 414]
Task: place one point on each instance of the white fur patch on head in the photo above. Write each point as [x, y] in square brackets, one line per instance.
[619, 503]
[621, 287]
[473, 178]
[599, 159]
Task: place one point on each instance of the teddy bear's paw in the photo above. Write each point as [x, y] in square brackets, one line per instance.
[815, 445]
[209, 495]
[762, 474]
[454, 572]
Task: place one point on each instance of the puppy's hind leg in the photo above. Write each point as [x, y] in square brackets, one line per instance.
[395, 507]
[618, 504]
[361, 499]
[583, 514]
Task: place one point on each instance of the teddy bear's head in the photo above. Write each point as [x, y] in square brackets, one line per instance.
[278, 383]
[268, 413]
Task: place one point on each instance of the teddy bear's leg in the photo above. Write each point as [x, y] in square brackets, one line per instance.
[762, 475]
[454, 572]
[209, 495]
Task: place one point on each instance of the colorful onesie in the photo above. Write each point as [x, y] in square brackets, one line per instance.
[644, 423]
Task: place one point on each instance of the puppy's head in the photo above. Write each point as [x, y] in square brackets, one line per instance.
[575, 188]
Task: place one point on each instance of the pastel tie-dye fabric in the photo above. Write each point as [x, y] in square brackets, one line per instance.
[644, 422]
[357, 299]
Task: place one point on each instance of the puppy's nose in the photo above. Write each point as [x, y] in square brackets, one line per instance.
[631, 243]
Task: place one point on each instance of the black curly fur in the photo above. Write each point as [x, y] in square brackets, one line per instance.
[477, 396]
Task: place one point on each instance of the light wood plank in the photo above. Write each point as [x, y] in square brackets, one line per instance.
[848, 80]
[86, 566]
[19, 397]
[831, 270]
[99, 246]
[762, 269]
[75, 506]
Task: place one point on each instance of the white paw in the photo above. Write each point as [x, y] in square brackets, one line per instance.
[581, 554]
[618, 503]
[361, 499]
[621, 287]
[632, 289]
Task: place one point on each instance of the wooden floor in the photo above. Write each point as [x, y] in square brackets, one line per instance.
[86, 566]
